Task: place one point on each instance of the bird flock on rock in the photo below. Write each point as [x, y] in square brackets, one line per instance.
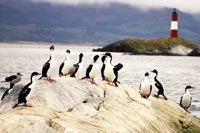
[109, 73]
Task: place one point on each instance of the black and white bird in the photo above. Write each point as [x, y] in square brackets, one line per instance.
[66, 66]
[49, 66]
[158, 85]
[92, 70]
[26, 89]
[145, 86]
[13, 79]
[186, 99]
[78, 67]
[103, 67]
[108, 71]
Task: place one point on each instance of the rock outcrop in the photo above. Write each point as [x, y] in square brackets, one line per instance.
[161, 46]
[195, 52]
[77, 106]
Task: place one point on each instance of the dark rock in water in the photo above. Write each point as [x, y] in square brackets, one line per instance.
[11, 99]
[195, 52]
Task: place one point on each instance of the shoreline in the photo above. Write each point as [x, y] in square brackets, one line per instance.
[48, 43]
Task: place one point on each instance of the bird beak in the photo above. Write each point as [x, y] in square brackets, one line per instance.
[21, 74]
[192, 88]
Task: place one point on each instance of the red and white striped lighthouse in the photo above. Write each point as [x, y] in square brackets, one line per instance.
[174, 24]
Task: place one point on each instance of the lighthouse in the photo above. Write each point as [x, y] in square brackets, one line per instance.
[174, 24]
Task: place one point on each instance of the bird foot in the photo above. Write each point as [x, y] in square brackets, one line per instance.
[106, 79]
[51, 80]
[186, 110]
[118, 82]
[93, 82]
[157, 96]
[28, 105]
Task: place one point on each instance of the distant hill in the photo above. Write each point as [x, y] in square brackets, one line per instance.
[162, 46]
[26, 21]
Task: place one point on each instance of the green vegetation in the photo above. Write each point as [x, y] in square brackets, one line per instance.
[161, 46]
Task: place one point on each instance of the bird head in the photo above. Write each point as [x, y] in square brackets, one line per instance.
[68, 51]
[108, 54]
[35, 74]
[96, 57]
[146, 74]
[103, 58]
[81, 55]
[155, 71]
[19, 74]
[188, 87]
[51, 48]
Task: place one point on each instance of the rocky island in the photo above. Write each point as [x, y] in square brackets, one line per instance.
[162, 46]
[76, 106]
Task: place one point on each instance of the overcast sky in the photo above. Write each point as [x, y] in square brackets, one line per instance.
[189, 6]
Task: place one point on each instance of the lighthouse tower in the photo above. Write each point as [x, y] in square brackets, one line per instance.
[174, 25]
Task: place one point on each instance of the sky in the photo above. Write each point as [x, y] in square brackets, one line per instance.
[189, 6]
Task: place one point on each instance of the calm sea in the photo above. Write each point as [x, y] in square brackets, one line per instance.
[175, 72]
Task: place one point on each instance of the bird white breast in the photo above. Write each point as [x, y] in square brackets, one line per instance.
[94, 70]
[14, 81]
[67, 67]
[186, 100]
[33, 83]
[145, 88]
[78, 73]
[52, 67]
[154, 88]
[109, 73]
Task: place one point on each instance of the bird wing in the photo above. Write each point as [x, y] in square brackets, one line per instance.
[150, 88]
[102, 72]
[159, 86]
[25, 91]
[89, 70]
[4, 94]
[23, 94]
[60, 69]
[140, 87]
[150, 91]
[11, 99]
[118, 67]
[10, 78]
[45, 68]
[190, 102]
[76, 69]
[181, 101]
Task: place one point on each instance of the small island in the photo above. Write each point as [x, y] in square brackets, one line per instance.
[162, 46]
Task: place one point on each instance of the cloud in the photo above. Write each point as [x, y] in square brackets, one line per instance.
[189, 6]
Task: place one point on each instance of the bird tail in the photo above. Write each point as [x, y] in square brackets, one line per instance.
[116, 84]
[84, 78]
[40, 77]
[165, 97]
[118, 67]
